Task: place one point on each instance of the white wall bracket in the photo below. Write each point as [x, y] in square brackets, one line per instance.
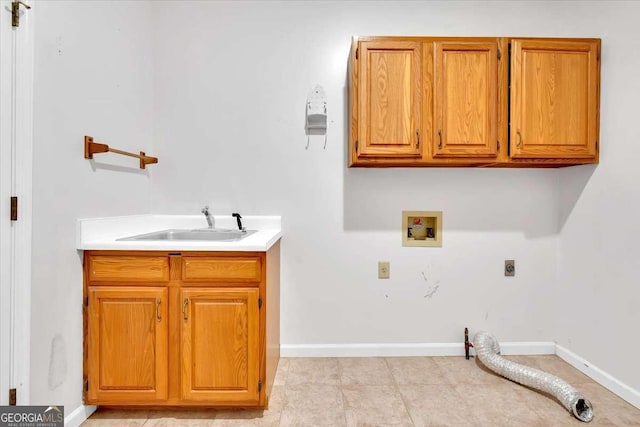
[316, 114]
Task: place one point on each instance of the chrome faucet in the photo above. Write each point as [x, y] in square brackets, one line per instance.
[210, 219]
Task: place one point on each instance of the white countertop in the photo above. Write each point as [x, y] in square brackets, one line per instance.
[102, 233]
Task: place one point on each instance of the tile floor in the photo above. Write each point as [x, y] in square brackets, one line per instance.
[402, 391]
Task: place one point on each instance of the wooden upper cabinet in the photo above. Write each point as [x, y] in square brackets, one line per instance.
[465, 99]
[474, 101]
[389, 99]
[220, 345]
[127, 344]
[554, 99]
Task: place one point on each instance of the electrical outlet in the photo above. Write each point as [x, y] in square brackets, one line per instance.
[509, 267]
[383, 269]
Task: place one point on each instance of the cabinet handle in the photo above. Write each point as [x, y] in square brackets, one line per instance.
[418, 136]
[158, 316]
[184, 309]
[518, 139]
[439, 139]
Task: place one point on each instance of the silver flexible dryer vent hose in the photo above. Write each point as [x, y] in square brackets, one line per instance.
[488, 351]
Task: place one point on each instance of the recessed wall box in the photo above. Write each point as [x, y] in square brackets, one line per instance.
[422, 228]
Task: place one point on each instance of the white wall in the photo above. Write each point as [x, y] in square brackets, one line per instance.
[598, 286]
[217, 91]
[92, 77]
[231, 84]
[245, 70]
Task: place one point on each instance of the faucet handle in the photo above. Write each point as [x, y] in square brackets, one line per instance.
[205, 210]
[239, 220]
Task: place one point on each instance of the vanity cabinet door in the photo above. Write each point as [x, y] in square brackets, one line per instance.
[127, 346]
[220, 345]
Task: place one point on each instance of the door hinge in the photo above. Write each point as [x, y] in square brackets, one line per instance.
[86, 301]
[15, 12]
[86, 385]
[13, 399]
[498, 145]
[14, 208]
[499, 54]
[357, 52]
[259, 386]
[356, 145]
[259, 302]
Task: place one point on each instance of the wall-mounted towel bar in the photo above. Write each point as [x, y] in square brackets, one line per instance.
[90, 148]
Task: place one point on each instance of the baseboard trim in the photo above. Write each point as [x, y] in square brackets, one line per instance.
[79, 415]
[406, 349]
[598, 375]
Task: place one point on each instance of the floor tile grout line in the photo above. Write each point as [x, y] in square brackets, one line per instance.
[284, 389]
[395, 382]
[464, 401]
[286, 374]
[344, 398]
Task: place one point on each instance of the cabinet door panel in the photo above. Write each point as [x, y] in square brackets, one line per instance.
[127, 343]
[466, 99]
[554, 99]
[389, 99]
[220, 360]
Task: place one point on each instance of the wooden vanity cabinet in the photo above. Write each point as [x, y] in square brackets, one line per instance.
[181, 329]
[491, 102]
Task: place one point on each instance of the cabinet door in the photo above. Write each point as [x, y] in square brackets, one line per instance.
[554, 99]
[466, 99]
[220, 357]
[127, 344]
[389, 107]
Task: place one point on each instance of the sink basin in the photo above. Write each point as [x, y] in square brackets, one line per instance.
[216, 234]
